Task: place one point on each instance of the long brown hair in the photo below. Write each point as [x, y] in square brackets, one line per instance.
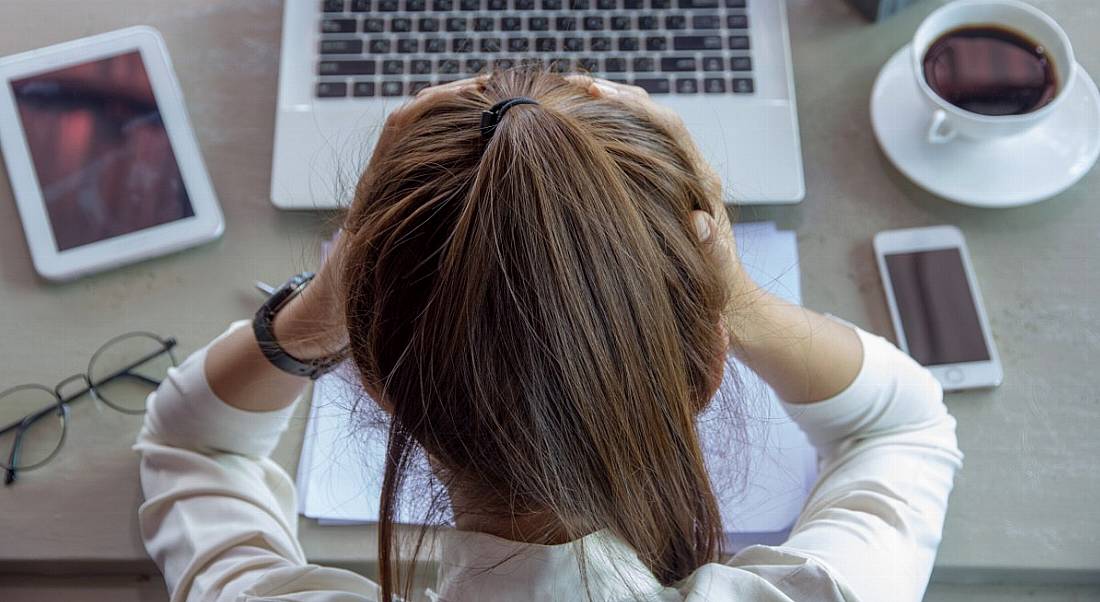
[538, 317]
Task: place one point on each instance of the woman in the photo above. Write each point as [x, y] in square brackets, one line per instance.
[538, 284]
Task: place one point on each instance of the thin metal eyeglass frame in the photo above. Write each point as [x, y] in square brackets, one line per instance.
[62, 406]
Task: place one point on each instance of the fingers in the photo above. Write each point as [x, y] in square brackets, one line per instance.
[717, 238]
[471, 83]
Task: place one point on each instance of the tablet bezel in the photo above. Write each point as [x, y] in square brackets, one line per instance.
[206, 224]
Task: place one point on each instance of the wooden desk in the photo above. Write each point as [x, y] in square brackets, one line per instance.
[1025, 503]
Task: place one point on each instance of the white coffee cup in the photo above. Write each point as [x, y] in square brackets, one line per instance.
[948, 120]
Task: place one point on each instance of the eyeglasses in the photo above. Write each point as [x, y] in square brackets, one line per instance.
[34, 419]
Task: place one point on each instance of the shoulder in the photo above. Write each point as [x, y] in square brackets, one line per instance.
[766, 574]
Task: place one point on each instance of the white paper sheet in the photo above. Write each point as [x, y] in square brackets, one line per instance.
[762, 473]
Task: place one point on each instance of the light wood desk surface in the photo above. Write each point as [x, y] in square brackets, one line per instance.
[1025, 505]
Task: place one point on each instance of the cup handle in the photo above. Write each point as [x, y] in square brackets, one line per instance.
[939, 131]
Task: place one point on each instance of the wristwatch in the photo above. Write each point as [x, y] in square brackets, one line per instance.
[263, 326]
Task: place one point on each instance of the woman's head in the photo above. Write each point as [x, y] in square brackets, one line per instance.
[536, 314]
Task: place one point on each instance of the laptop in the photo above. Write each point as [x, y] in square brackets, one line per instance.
[724, 65]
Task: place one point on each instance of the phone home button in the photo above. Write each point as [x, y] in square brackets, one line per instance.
[954, 375]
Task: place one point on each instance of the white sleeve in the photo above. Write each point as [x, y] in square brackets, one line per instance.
[220, 517]
[888, 459]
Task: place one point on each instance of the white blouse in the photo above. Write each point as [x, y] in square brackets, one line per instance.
[220, 517]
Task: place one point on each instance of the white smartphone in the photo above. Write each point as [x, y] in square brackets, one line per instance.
[936, 306]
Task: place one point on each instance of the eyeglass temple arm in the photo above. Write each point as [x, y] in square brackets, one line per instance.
[16, 446]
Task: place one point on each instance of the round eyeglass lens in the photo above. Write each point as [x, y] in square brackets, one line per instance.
[32, 426]
[128, 368]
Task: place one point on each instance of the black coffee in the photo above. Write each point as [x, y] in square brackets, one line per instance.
[990, 70]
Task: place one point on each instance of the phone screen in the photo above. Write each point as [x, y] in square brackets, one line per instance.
[937, 308]
[100, 150]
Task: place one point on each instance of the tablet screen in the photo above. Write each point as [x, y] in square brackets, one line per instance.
[100, 150]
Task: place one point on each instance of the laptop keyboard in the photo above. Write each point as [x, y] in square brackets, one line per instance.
[372, 48]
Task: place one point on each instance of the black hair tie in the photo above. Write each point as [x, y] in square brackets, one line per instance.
[490, 118]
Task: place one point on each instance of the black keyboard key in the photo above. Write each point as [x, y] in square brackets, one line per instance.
[706, 22]
[475, 65]
[645, 64]
[551, 4]
[697, 43]
[469, 5]
[379, 46]
[392, 89]
[435, 45]
[363, 89]
[614, 65]
[714, 85]
[546, 44]
[739, 42]
[504, 63]
[393, 67]
[607, 4]
[687, 86]
[484, 24]
[530, 63]
[565, 23]
[740, 63]
[628, 44]
[373, 25]
[519, 44]
[713, 63]
[742, 85]
[428, 24]
[572, 44]
[678, 64]
[588, 64]
[420, 67]
[538, 24]
[401, 25]
[633, 4]
[408, 46]
[697, 4]
[657, 44]
[647, 22]
[600, 44]
[346, 68]
[333, 6]
[676, 22]
[341, 46]
[594, 23]
[653, 85]
[361, 6]
[511, 24]
[388, 6]
[735, 3]
[338, 26]
[447, 66]
[620, 23]
[490, 45]
[560, 65]
[457, 24]
[416, 86]
[580, 4]
[498, 4]
[332, 90]
[415, 6]
[737, 21]
[462, 45]
[443, 5]
[660, 4]
[524, 4]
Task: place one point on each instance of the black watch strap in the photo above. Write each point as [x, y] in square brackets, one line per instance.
[263, 326]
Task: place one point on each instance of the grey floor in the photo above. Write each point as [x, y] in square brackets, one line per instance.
[15, 588]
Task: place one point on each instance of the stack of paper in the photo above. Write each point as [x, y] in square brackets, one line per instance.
[761, 464]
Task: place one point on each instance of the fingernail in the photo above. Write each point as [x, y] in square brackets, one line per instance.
[606, 90]
[702, 226]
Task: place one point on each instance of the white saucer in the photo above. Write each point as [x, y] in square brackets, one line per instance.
[1005, 172]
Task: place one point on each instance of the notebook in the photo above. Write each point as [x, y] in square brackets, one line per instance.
[762, 472]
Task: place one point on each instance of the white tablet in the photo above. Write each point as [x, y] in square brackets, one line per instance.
[101, 155]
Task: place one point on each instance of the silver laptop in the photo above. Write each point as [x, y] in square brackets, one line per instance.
[725, 65]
